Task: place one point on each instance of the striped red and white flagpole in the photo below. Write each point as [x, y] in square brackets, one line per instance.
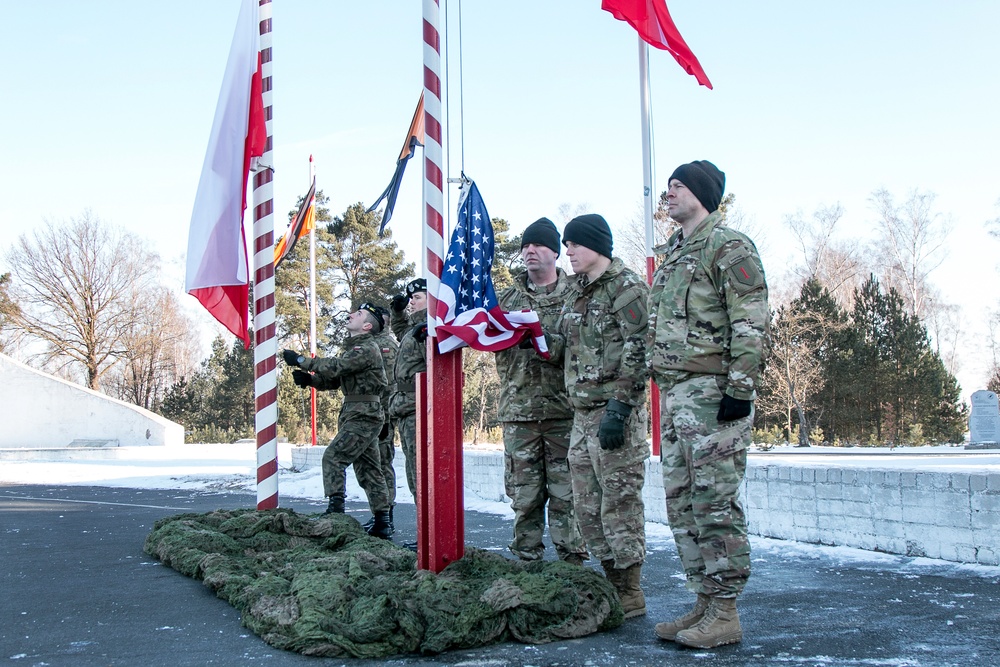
[440, 505]
[265, 341]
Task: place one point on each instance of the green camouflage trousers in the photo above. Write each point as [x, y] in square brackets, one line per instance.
[356, 443]
[536, 471]
[386, 453]
[408, 438]
[704, 462]
[607, 488]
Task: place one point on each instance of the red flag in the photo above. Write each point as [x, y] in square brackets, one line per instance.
[652, 20]
[302, 224]
[414, 138]
[217, 272]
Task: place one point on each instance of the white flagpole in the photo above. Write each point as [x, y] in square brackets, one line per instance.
[312, 298]
[648, 195]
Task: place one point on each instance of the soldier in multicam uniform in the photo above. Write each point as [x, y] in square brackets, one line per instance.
[409, 324]
[707, 331]
[601, 341]
[359, 374]
[388, 346]
[535, 411]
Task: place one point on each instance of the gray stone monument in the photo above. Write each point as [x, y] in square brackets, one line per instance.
[984, 421]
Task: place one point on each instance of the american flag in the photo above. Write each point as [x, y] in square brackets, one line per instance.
[467, 310]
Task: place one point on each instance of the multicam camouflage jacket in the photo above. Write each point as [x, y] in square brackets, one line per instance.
[389, 348]
[359, 370]
[601, 338]
[708, 308]
[410, 360]
[530, 387]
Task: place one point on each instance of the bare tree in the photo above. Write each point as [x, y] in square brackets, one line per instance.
[793, 371]
[912, 245]
[835, 264]
[159, 350]
[76, 288]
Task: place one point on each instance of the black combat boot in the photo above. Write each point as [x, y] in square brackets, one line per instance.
[371, 522]
[336, 505]
[382, 527]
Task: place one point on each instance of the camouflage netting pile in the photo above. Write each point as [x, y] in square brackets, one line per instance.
[321, 586]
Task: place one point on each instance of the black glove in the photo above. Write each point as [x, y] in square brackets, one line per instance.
[420, 332]
[292, 358]
[611, 433]
[302, 378]
[400, 302]
[527, 343]
[731, 409]
[384, 433]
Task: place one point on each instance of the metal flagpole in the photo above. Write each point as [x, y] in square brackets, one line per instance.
[312, 297]
[648, 206]
[440, 507]
[265, 342]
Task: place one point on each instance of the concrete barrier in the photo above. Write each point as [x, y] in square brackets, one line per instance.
[48, 412]
[951, 516]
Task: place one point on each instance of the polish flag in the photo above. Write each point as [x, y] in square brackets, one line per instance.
[217, 271]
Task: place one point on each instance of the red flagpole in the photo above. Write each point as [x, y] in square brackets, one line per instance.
[441, 531]
[265, 340]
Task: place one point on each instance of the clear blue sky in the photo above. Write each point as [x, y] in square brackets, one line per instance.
[108, 105]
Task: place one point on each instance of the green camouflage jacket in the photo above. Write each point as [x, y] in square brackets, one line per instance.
[410, 360]
[362, 378]
[601, 338]
[389, 348]
[708, 308]
[530, 387]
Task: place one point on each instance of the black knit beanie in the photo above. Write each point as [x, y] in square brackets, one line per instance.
[542, 232]
[416, 285]
[704, 180]
[590, 231]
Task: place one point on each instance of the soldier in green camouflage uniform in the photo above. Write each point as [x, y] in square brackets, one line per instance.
[359, 374]
[708, 326]
[535, 411]
[601, 341]
[409, 324]
[386, 446]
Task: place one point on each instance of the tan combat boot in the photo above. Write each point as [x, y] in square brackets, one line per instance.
[719, 626]
[670, 629]
[626, 583]
[633, 600]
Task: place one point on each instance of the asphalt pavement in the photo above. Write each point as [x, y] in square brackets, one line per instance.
[77, 590]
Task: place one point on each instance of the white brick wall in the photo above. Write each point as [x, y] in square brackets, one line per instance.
[951, 516]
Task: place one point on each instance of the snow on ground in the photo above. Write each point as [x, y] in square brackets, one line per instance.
[232, 467]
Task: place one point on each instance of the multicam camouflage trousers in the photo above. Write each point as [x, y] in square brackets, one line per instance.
[386, 453]
[536, 471]
[704, 462]
[356, 443]
[408, 439]
[607, 488]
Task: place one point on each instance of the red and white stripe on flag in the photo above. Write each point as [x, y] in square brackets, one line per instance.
[467, 312]
[217, 272]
